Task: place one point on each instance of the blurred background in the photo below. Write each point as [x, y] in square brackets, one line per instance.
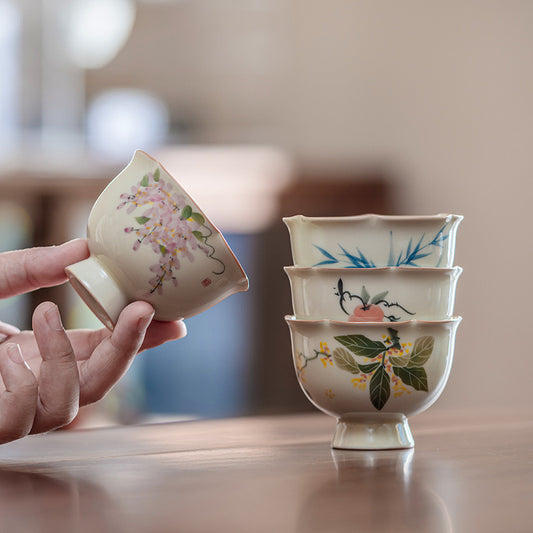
[267, 108]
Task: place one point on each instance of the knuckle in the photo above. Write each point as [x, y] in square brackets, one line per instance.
[27, 387]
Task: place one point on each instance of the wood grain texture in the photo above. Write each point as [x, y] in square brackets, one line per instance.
[470, 471]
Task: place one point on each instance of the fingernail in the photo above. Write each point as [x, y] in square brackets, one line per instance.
[14, 353]
[144, 321]
[3, 337]
[53, 319]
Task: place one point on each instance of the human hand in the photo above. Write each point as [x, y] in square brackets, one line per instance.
[48, 373]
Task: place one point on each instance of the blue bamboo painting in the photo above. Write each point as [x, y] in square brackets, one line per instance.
[406, 257]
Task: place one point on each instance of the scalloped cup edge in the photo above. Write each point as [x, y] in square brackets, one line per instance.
[372, 216]
[291, 319]
[326, 270]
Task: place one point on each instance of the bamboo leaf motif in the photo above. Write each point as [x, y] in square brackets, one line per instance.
[422, 350]
[329, 258]
[357, 262]
[416, 377]
[379, 388]
[361, 345]
[413, 252]
[344, 360]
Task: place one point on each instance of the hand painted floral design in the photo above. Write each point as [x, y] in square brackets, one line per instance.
[371, 308]
[384, 365]
[168, 224]
[407, 257]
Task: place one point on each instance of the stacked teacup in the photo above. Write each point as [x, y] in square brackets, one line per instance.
[373, 329]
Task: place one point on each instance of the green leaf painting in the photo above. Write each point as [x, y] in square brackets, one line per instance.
[416, 377]
[378, 297]
[142, 220]
[186, 212]
[145, 181]
[388, 366]
[157, 174]
[365, 296]
[399, 361]
[344, 359]
[361, 345]
[380, 388]
[198, 217]
[421, 351]
[367, 369]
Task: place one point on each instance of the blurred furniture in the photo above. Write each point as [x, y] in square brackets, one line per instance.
[470, 471]
[326, 193]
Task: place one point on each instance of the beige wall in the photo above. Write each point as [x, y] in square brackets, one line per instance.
[442, 91]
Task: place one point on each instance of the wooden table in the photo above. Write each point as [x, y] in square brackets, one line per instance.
[469, 472]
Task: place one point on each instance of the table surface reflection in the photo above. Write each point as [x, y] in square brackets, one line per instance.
[470, 471]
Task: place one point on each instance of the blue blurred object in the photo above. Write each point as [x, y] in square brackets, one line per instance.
[207, 374]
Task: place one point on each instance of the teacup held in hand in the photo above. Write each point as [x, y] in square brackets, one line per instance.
[150, 241]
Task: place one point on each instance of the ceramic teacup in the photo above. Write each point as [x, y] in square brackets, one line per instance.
[372, 376]
[387, 294]
[369, 241]
[150, 241]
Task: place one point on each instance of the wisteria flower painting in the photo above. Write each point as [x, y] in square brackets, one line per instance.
[166, 222]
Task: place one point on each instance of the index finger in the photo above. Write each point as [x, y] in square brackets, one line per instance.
[25, 270]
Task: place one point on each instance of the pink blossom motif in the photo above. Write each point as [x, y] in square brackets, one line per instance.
[169, 226]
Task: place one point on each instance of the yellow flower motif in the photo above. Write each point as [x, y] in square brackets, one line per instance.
[359, 382]
[324, 347]
[326, 360]
[398, 389]
[330, 394]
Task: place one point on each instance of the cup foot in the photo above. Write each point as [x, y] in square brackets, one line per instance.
[372, 432]
[98, 289]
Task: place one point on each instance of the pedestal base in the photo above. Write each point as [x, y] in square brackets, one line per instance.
[98, 289]
[369, 432]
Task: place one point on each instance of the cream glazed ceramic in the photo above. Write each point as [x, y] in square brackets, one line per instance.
[387, 294]
[372, 376]
[150, 241]
[369, 241]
